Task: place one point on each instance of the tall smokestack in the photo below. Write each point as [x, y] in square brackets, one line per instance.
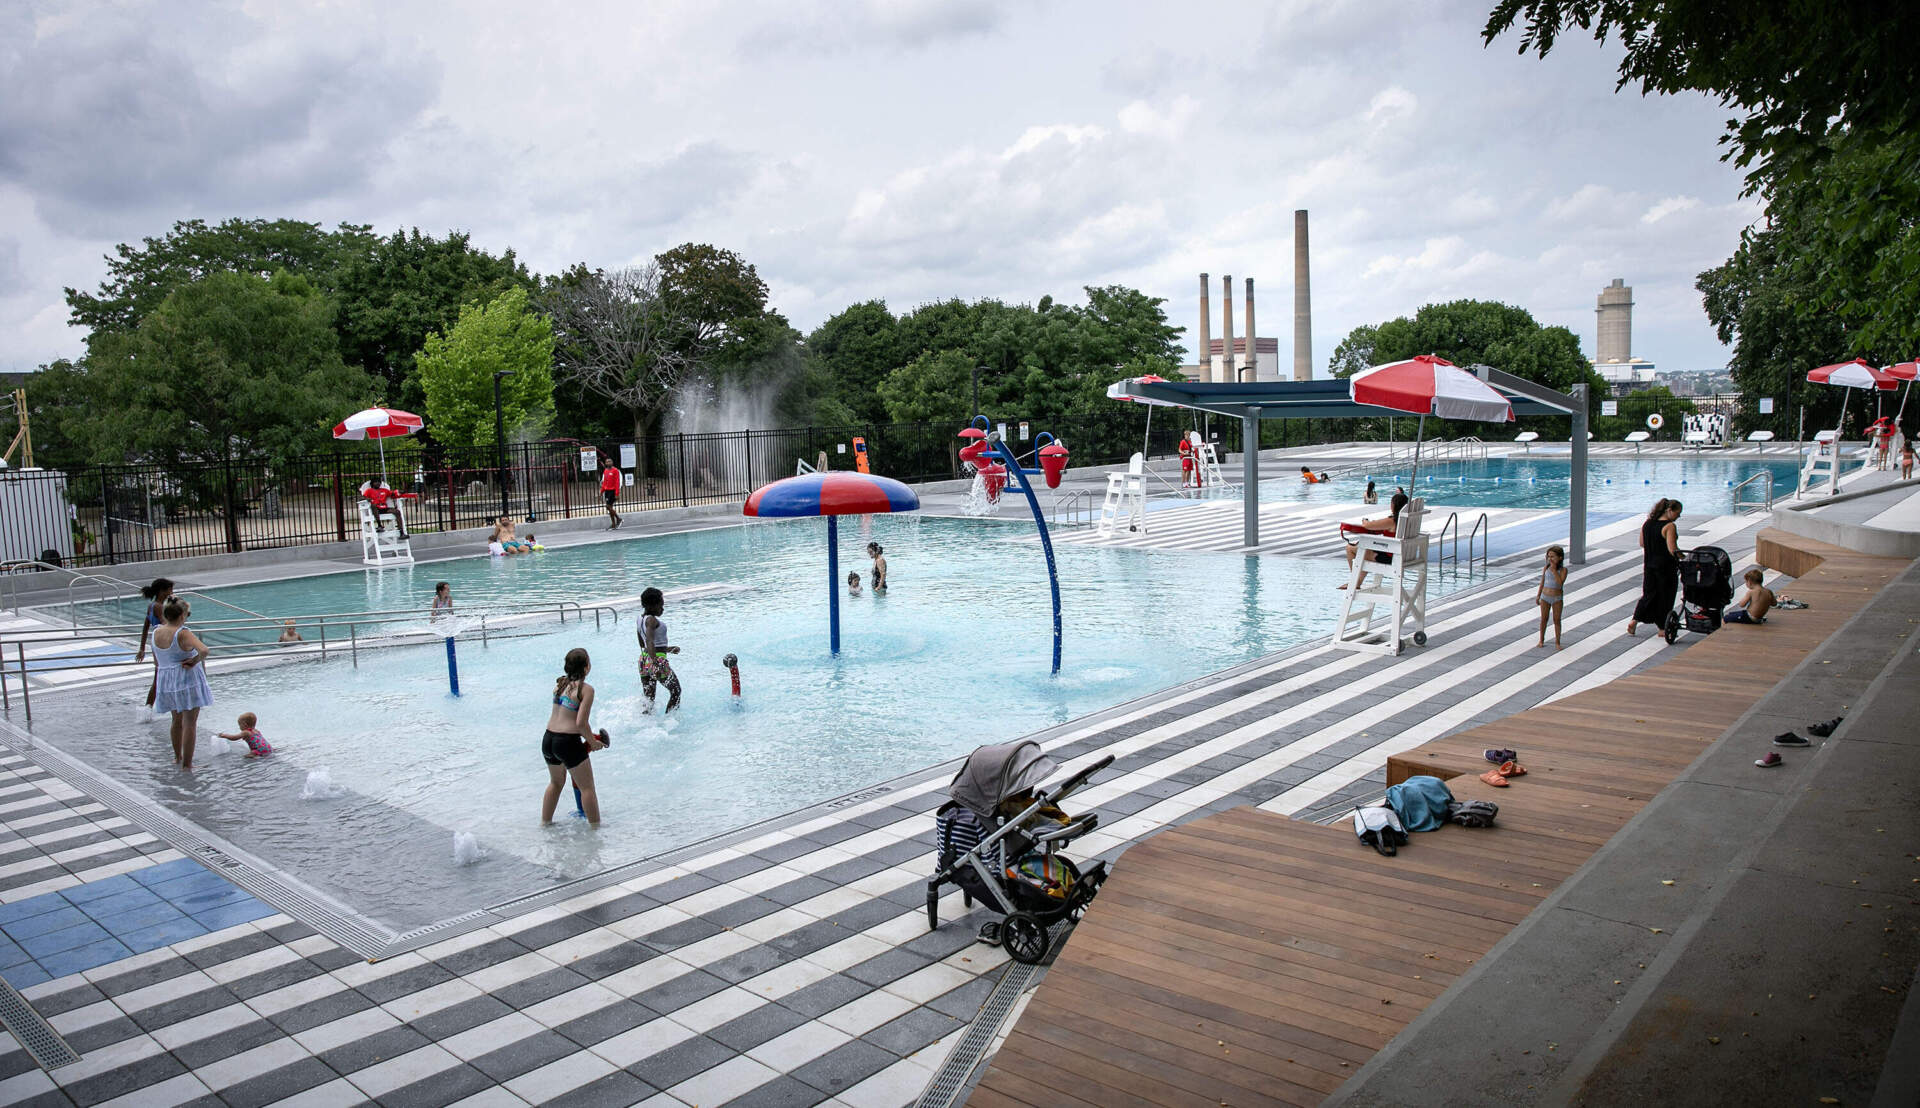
[1206, 330]
[1253, 354]
[1226, 330]
[1302, 301]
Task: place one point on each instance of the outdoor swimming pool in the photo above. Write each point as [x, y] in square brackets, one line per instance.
[1705, 484]
[956, 656]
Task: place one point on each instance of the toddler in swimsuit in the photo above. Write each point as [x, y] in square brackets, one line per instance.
[257, 745]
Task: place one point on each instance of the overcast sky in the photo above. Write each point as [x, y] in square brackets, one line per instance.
[905, 150]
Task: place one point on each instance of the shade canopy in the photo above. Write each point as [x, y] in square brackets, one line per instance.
[1856, 374]
[831, 493]
[377, 423]
[1118, 391]
[1429, 385]
[1903, 371]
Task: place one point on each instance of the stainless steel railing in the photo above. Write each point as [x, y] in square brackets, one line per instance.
[1764, 504]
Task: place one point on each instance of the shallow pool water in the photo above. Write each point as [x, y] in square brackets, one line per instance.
[956, 655]
[1706, 484]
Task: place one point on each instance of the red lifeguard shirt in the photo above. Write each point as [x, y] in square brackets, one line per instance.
[378, 495]
[610, 479]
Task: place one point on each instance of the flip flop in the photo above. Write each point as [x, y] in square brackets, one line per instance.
[1497, 755]
[1493, 777]
[1511, 768]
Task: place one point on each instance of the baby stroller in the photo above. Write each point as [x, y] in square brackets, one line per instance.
[999, 839]
[1706, 588]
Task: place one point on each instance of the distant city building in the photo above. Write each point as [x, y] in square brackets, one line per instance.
[1614, 359]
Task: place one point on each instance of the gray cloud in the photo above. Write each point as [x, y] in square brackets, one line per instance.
[12, 277]
[186, 109]
[876, 24]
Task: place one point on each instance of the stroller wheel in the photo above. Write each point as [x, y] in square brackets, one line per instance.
[1024, 938]
[1419, 638]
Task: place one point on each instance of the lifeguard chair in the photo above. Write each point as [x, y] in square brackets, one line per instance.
[382, 548]
[1206, 461]
[1823, 456]
[1126, 496]
[1399, 586]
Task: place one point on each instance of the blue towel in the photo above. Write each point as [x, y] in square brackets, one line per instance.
[1420, 802]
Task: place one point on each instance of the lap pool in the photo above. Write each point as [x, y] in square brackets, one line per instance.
[955, 656]
[1705, 484]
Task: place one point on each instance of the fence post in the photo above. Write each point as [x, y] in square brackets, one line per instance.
[106, 517]
[339, 503]
[566, 491]
[233, 519]
[682, 437]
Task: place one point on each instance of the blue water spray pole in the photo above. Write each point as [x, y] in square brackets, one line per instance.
[833, 583]
[453, 668]
[1040, 521]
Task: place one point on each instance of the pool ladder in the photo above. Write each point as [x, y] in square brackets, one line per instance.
[1765, 504]
[1482, 532]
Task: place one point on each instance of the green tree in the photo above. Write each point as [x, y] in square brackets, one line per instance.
[1477, 332]
[930, 388]
[617, 340]
[404, 288]
[230, 365]
[718, 301]
[140, 277]
[853, 351]
[457, 372]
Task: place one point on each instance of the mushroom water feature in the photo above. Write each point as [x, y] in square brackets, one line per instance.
[831, 494]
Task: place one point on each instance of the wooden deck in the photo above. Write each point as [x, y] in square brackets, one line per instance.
[1250, 959]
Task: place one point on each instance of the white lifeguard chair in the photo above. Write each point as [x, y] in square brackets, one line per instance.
[1126, 495]
[1207, 459]
[382, 547]
[1823, 456]
[1400, 587]
[1638, 437]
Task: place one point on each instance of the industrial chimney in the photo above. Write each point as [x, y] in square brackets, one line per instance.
[1302, 302]
[1226, 329]
[1206, 331]
[1253, 354]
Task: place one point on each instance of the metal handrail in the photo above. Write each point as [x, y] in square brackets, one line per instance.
[374, 618]
[1069, 505]
[1440, 540]
[98, 579]
[1484, 529]
[1763, 505]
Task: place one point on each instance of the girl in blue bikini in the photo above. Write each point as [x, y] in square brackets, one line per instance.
[570, 738]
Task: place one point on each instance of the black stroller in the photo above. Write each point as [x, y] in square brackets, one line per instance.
[1706, 588]
[999, 838]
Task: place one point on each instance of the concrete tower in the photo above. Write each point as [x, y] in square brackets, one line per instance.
[1226, 329]
[1252, 348]
[1205, 353]
[1616, 323]
[1302, 302]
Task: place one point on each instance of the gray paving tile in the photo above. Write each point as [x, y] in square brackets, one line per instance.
[768, 1021]
[675, 936]
[824, 995]
[781, 1092]
[442, 1088]
[616, 1090]
[750, 962]
[307, 1073]
[793, 892]
[612, 960]
[785, 851]
[321, 1010]
[680, 1061]
[964, 1002]
[226, 1044]
[125, 1079]
[476, 958]
[733, 868]
[350, 1058]
[66, 1000]
[467, 1014]
[670, 891]
[807, 938]
[889, 967]
[912, 1031]
[238, 947]
[604, 1023]
[524, 1055]
[542, 986]
[546, 934]
[671, 996]
[844, 1066]
[89, 1039]
[278, 977]
[741, 911]
[183, 1008]
[626, 907]
[396, 985]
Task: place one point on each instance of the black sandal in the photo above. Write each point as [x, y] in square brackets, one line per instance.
[1822, 730]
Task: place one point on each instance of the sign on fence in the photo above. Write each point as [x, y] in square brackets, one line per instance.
[589, 459]
[1766, 405]
[1609, 407]
[1023, 430]
[628, 457]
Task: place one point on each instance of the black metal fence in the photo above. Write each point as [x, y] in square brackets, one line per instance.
[109, 514]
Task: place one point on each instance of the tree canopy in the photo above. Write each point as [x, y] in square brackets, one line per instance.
[230, 363]
[456, 372]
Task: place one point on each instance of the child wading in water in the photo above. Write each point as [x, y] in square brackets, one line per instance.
[654, 668]
[257, 745]
[1553, 584]
[853, 584]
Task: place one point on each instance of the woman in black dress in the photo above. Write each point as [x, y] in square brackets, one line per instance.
[1660, 574]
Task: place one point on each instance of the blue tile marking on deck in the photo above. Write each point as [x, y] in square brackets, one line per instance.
[58, 933]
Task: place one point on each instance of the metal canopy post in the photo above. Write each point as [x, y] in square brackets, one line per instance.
[1250, 476]
[1577, 500]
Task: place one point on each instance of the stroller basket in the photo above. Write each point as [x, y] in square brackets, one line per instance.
[998, 840]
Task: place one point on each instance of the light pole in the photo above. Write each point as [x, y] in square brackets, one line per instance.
[500, 437]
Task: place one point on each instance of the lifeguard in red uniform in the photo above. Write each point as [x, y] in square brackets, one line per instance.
[1188, 475]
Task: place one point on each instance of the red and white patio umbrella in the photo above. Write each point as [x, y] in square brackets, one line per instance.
[1429, 384]
[1856, 374]
[1118, 391]
[378, 424]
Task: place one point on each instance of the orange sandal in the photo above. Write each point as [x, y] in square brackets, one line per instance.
[1495, 778]
[1512, 769]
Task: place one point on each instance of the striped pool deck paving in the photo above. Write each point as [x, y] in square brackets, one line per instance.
[793, 966]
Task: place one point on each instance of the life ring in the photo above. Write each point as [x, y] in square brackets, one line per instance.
[1656, 421]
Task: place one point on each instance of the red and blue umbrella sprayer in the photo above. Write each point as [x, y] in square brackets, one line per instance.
[832, 494]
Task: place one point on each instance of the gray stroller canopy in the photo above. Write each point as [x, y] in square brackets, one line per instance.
[993, 773]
